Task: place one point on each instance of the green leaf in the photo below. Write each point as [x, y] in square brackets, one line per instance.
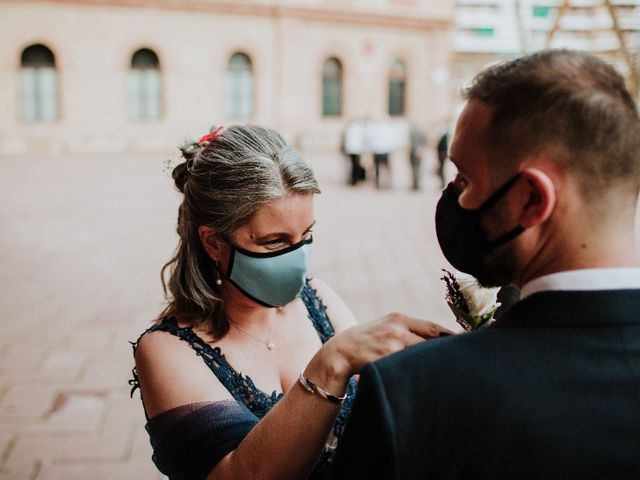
[468, 321]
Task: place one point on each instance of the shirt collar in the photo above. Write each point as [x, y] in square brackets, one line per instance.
[588, 279]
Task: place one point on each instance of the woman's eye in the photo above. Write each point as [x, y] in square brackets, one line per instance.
[276, 241]
[275, 244]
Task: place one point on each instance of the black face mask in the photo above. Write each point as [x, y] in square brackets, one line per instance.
[462, 239]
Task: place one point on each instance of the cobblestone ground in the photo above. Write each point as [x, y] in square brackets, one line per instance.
[82, 240]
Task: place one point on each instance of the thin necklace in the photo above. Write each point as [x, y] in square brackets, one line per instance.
[270, 345]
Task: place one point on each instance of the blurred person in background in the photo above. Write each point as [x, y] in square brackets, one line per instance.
[381, 140]
[353, 147]
[442, 149]
[249, 370]
[417, 142]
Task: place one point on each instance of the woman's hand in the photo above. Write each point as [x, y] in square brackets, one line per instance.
[345, 354]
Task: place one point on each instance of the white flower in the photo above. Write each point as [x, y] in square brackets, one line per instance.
[472, 304]
[481, 300]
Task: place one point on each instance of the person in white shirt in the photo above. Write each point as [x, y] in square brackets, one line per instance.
[353, 147]
[381, 140]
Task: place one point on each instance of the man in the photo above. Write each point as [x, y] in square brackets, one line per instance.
[441, 151]
[547, 151]
[417, 142]
[381, 137]
[353, 147]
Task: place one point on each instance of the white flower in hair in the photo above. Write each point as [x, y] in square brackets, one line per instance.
[472, 304]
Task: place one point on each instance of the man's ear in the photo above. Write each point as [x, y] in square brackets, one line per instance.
[540, 197]
[210, 241]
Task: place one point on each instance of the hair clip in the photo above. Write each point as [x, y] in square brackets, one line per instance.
[210, 136]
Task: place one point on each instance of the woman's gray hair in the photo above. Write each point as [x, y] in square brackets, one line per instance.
[225, 181]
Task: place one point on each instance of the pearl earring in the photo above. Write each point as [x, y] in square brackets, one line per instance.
[218, 279]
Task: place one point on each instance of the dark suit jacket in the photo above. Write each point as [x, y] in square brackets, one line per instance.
[551, 391]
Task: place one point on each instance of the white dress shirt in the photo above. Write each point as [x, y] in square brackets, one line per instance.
[588, 279]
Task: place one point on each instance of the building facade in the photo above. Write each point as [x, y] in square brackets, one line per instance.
[90, 75]
[492, 30]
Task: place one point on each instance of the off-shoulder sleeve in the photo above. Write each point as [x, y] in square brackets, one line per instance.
[188, 441]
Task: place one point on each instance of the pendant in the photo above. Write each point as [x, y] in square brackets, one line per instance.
[270, 346]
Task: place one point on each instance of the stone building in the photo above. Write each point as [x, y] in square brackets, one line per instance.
[488, 31]
[91, 75]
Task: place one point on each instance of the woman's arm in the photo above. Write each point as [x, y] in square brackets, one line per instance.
[286, 443]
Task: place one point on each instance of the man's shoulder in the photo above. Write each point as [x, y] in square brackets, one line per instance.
[450, 347]
[548, 326]
[444, 359]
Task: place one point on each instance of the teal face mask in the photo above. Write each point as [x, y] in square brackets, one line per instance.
[271, 279]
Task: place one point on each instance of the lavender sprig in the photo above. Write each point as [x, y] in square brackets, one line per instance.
[454, 294]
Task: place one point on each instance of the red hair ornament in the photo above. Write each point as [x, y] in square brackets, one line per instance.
[210, 136]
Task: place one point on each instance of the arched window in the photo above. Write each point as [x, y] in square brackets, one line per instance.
[145, 90]
[38, 84]
[332, 88]
[239, 86]
[397, 88]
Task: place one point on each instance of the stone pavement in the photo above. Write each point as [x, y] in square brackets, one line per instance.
[82, 240]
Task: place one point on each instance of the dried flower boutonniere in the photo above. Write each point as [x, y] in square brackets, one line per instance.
[472, 304]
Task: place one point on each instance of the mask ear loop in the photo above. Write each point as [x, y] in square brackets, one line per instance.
[507, 237]
[490, 202]
[498, 194]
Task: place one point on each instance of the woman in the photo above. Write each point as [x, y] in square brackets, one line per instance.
[244, 320]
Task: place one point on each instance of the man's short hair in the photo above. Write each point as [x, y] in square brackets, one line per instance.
[568, 104]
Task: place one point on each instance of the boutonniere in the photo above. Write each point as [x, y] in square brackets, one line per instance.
[472, 304]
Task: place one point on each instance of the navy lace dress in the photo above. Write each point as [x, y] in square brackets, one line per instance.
[188, 441]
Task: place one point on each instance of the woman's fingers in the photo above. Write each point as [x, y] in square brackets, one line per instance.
[412, 339]
[369, 342]
[422, 328]
[393, 333]
[424, 333]
[425, 328]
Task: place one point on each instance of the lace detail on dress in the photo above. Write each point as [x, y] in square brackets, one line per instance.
[240, 386]
[317, 312]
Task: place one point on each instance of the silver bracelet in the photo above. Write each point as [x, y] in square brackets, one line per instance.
[311, 387]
